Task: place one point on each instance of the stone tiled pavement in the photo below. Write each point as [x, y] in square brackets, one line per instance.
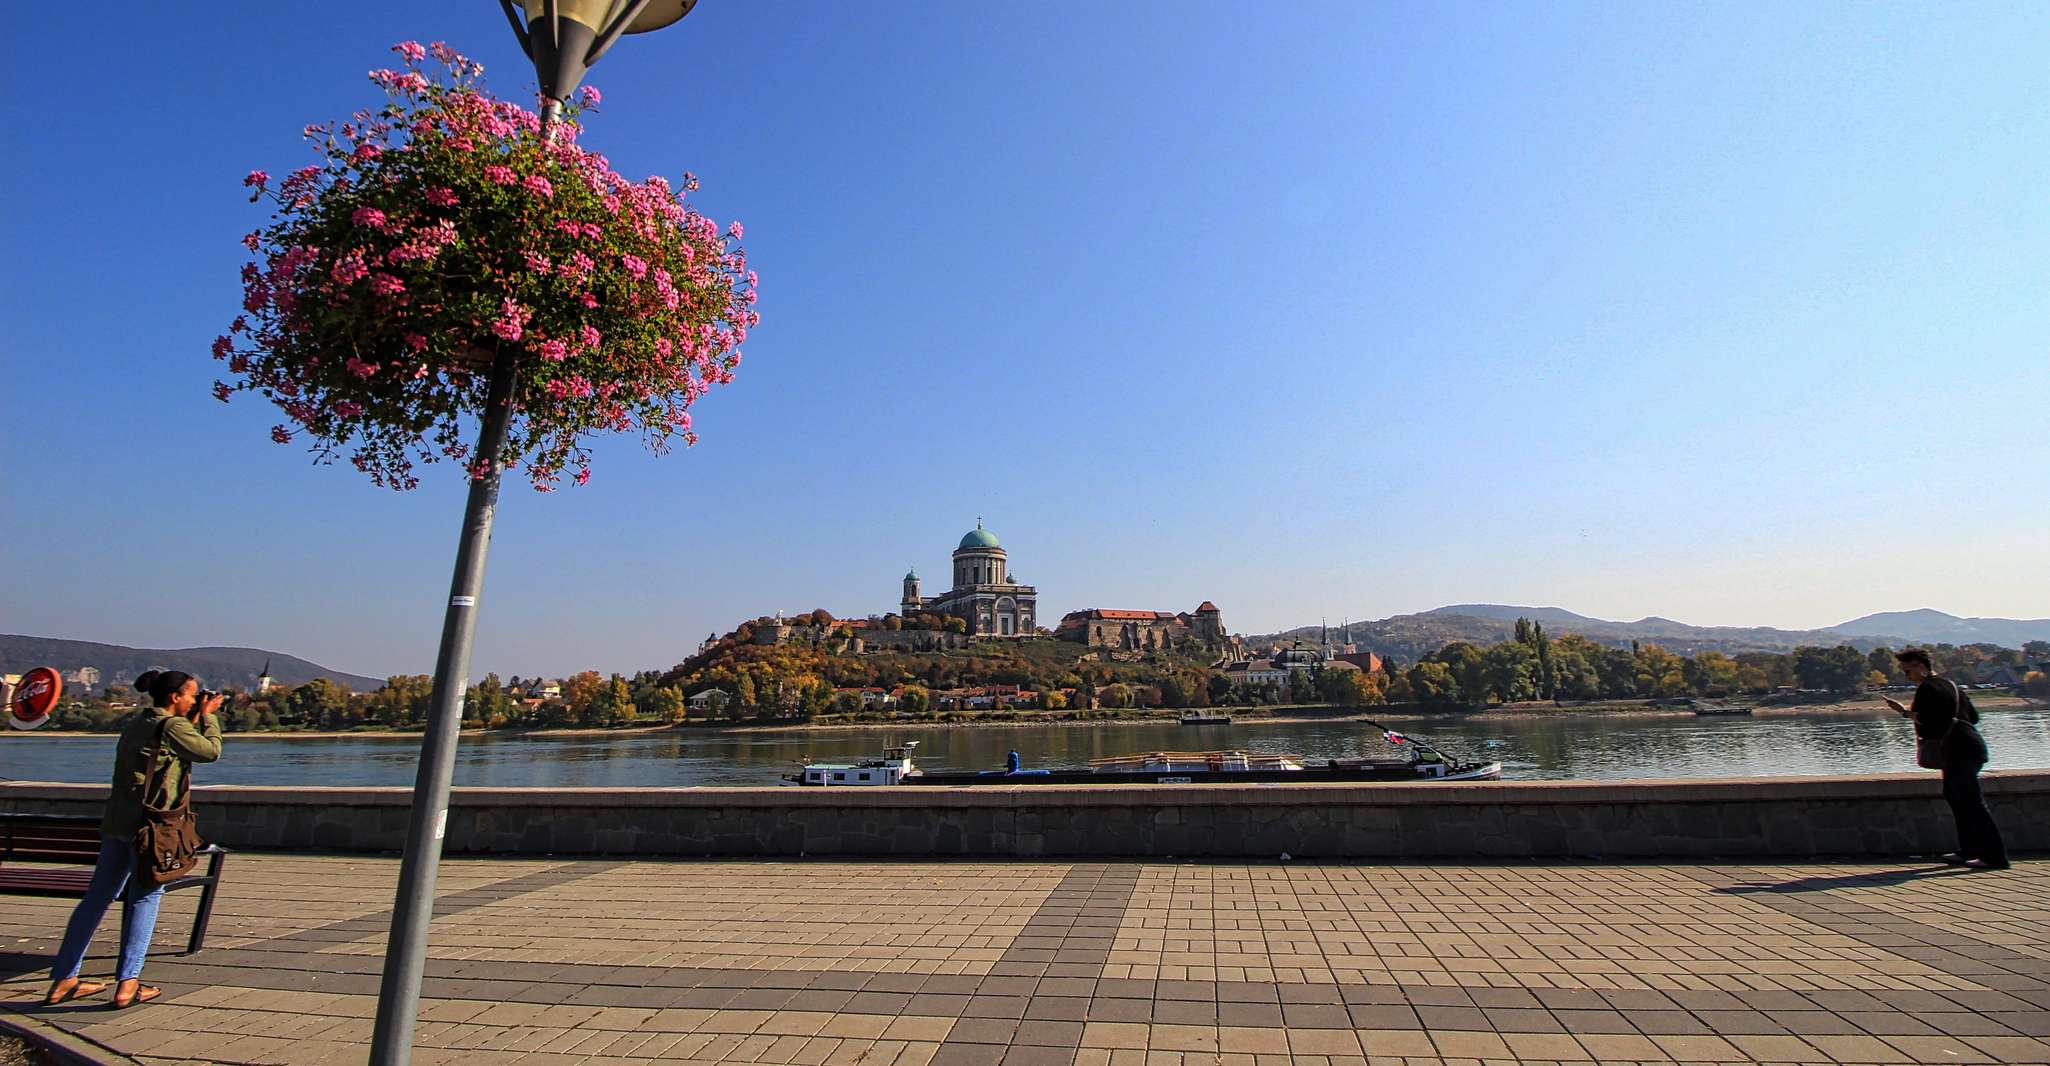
[1027, 963]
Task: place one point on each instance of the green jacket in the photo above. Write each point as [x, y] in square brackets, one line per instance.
[184, 745]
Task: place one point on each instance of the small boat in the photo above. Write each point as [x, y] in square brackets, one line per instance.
[893, 768]
[1718, 711]
[1198, 718]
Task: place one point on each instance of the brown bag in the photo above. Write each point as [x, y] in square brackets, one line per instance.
[1929, 753]
[167, 844]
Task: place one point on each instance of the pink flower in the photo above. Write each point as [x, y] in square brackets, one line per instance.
[280, 435]
[512, 320]
[387, 284]
[360, 368]
[411, 50]
[222, 391]
[441, 196]
[256, 179]
[591, 95]
[348, 408]
[733, 230]
[634, 265]
[584, 472]
[537, 262]
[368, 216]
[349, 268]
[367, 151]
[500, 175]
[416, 342]
[222, 346]
[589, 335]
[539, 186]
[251, 239]
[555, 351]
[590, 301]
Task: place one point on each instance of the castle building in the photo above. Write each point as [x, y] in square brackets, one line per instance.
[984, 595]
[1144, 630]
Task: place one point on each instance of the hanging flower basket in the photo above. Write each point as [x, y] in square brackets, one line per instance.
[442, 228]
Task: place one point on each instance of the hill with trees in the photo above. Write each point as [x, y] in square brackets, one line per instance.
[217, 667]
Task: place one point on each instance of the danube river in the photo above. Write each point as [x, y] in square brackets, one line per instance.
[1563, 747]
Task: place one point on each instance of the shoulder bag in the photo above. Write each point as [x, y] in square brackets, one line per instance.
[167, 844]
[1929, 751]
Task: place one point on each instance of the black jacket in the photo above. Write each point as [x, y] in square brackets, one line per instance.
[1943, 711]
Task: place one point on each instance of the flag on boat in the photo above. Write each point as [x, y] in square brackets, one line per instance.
[1393, 737]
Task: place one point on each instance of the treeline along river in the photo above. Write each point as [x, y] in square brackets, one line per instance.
[1561, 747]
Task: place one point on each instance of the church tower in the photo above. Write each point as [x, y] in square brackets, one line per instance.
[263, 680]
[912, 601]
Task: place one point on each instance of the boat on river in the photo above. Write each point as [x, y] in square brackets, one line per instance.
[1719, 710]
[1199, 718]
[896, 767]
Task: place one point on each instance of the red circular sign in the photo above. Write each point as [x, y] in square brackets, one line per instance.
[34, 698]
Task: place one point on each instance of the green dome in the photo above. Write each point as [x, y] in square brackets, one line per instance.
[979, 538]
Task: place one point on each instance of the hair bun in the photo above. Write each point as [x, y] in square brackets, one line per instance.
[143, 683]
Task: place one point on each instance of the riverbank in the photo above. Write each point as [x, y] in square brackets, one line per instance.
[1989, 702]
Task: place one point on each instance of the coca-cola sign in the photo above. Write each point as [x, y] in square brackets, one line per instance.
[31, 702]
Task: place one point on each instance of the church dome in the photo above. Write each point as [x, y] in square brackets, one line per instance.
[979, 538]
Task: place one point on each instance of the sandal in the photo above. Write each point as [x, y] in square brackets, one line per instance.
[78, 990]
[143, 994]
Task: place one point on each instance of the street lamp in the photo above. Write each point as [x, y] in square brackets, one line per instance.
[563, 38]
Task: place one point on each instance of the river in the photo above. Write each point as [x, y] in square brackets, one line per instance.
[1564, 747]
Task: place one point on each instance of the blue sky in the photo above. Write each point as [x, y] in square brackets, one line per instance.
[1723, 313]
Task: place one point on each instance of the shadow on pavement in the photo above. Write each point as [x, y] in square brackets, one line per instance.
[1863, 880]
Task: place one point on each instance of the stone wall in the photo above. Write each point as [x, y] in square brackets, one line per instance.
[1889, 814]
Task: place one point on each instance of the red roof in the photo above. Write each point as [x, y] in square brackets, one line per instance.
[1207, 607]
[1145, 616]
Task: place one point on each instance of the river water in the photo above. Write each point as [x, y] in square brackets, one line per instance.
[1563, 747]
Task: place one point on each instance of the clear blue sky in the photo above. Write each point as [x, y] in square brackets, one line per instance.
[1730, 313]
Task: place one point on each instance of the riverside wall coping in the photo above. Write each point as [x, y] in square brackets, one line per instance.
[1926, 785]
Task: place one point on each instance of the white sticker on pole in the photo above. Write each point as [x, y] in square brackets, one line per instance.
[462, 601]
[441, 824]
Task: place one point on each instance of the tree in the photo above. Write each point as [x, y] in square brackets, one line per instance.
[612, 704]
[915, 699]
[744, 691]
[1511, 672]
[1118, 696]
[1712, 673]
[663, 704]
[1050, 699]
[1220, 690]
[1172, 693]
[1342, 688]
[1468, 668]
[322, 704]
[580, 694]
[848, 703]
[487, 702]
[1660, 672]
[402, 701]
[1433, 683]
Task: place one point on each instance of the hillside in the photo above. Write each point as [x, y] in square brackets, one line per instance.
[1926, 626]
[214, 666]
[1407, 637]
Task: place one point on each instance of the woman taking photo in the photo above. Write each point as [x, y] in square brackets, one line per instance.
[1944, 716]
[185, 730]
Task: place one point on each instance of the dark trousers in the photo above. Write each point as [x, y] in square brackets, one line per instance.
[1977, 836]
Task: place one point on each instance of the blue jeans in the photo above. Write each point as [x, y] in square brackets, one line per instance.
[111, 875]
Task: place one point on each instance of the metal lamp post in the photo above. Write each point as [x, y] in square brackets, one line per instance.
[563, 38]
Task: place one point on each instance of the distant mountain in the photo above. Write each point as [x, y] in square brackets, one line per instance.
[1407, 637]
[1928, 626]
[215, 667]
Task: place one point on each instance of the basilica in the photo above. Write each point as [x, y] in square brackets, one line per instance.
[984, 596]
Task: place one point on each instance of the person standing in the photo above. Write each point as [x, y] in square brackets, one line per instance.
[187, 730]
[1944, 714]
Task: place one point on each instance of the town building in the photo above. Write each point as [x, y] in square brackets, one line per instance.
[984, 594]
[1144, 630]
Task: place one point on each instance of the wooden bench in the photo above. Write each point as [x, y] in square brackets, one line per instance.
[61, 843]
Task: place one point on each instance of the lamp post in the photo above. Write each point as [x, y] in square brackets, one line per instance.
[563, 38]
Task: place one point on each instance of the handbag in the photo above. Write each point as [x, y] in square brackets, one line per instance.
[167, 844]
[1929, 751]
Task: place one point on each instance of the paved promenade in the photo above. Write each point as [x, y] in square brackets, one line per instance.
[1154, 964]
